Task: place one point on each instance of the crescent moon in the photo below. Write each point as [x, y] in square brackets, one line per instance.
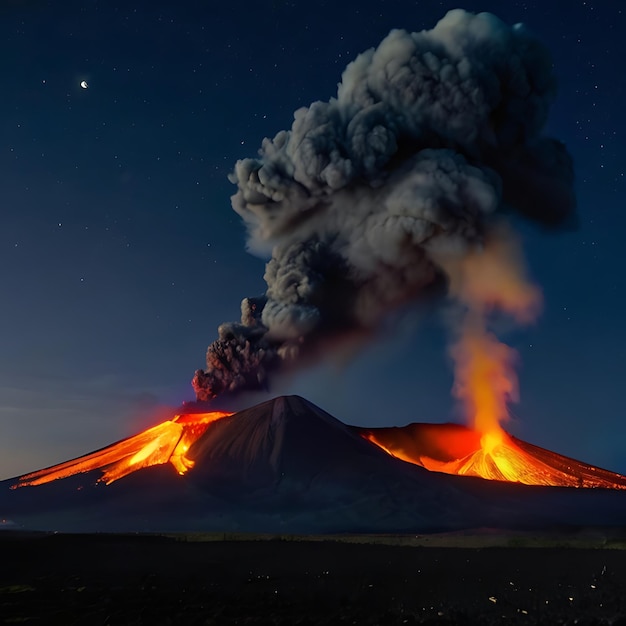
[83, 84]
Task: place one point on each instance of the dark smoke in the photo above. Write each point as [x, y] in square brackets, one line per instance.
[430, 135]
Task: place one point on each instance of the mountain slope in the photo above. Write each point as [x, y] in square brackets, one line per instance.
[459, 450]
[287, 466]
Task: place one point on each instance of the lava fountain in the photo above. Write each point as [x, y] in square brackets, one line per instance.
[459, 450]
[487, 279]
[485, 382]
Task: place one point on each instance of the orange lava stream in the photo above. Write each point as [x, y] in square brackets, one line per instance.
[167, 442]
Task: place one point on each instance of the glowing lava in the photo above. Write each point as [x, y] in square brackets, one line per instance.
[447, 448]
[485, 381]
[167, 442]
[456, 449]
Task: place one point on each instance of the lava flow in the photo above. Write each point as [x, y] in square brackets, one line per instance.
[447, 448]
[456, 449]
[167, 442]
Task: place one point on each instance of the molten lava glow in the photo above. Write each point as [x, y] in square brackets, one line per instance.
[498, 458]
[491, 440]
[396, 451]
[166, 442]
[446, 448]
[493, 456]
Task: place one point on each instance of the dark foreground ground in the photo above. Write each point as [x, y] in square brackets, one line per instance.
[121, 579]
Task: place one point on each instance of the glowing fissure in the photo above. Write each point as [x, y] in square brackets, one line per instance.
[167, 442]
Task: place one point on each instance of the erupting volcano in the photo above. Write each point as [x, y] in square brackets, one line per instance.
[287, 466]
[446, 448]
[395, 191]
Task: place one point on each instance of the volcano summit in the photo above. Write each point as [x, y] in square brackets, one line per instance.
[286, 466]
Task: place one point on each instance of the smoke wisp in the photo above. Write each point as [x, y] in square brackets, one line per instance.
[432, 136]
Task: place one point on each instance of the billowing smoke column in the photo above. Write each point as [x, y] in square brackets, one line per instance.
[430, 137]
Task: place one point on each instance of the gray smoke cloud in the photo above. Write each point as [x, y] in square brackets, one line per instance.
[430, 136]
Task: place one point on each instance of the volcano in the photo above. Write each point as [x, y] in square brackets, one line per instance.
[287, 466]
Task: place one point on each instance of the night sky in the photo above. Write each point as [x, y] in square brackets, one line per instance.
[120, 254]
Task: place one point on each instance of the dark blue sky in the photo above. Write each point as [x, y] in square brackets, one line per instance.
[120, 254]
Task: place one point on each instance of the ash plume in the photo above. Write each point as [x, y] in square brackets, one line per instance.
[431, 136]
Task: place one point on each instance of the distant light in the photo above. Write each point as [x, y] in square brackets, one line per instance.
[84, 84]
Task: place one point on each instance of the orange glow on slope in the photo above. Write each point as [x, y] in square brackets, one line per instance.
[485, 382]
[167, 442]
[396, 451]
[492, 456]
[490, 278]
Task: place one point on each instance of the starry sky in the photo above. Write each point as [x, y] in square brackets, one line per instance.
[120, 254]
